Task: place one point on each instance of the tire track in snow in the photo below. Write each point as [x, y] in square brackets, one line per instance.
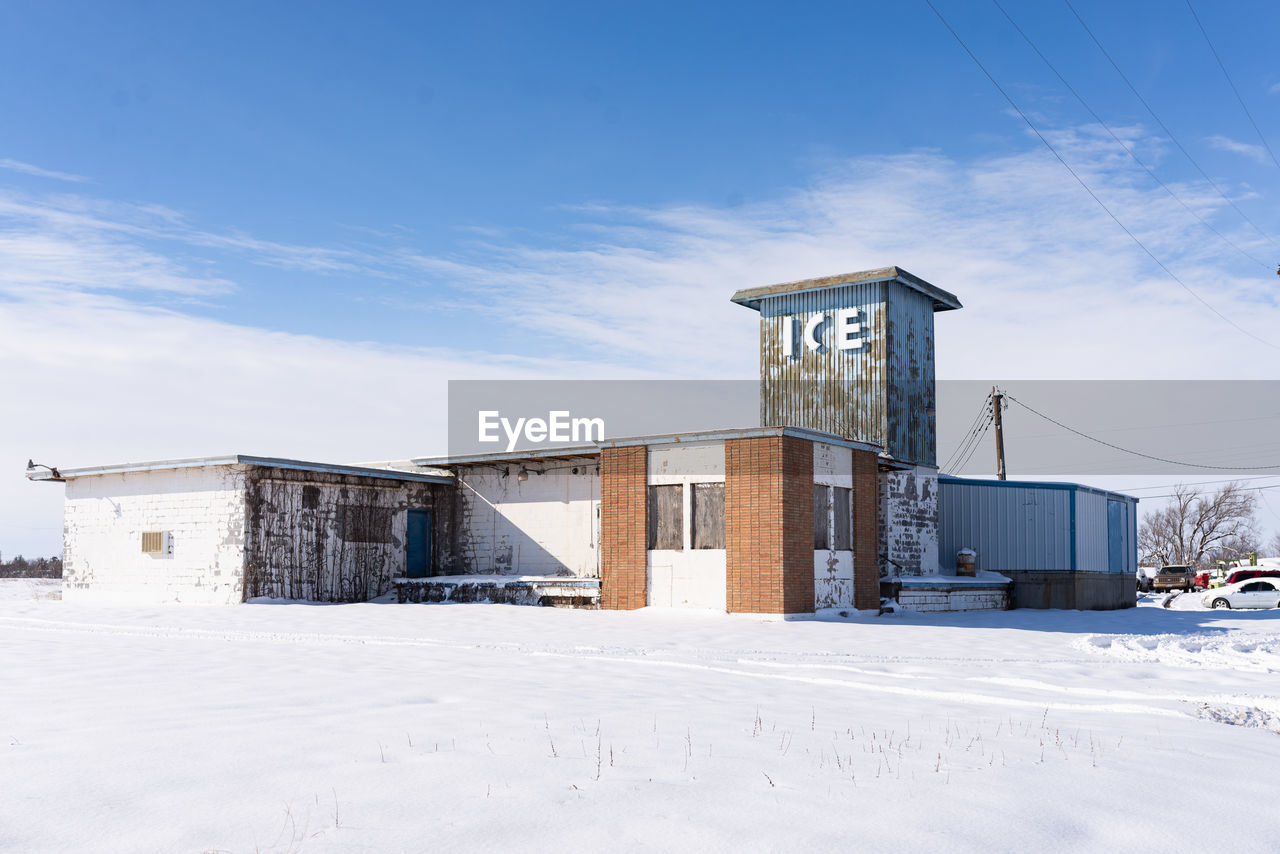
[900, 690]
[1264, 702]
[585, 652]
[645, 656]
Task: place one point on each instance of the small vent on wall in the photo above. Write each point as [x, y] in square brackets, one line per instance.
[155, 542]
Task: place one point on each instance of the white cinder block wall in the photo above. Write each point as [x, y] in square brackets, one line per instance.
[548, 524]
[203, 510]
[832, 568]
[954, 600]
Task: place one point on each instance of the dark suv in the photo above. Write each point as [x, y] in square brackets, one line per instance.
[1174, 578]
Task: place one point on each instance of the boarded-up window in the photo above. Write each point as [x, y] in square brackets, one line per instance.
[666, 517]
[310, 497]
[842, 517]
[821, 518]
[364, 523]
[708, 515]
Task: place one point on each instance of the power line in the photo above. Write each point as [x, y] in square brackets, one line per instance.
[977, 443]
[973, 447]
[1257, 489]
[1125, 146]
[1176, 424]
[1165, 127]
[973, 427]
[1129, 450]
[1198, 483]
[1232, 84]
[1088, 189]
[1263, 496]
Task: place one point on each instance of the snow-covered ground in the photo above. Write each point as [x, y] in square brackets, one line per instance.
[384, 727]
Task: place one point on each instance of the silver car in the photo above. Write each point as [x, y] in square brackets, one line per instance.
[1250, 593]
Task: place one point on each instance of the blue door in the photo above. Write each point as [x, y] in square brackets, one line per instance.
[418, 544]
[1115, 535]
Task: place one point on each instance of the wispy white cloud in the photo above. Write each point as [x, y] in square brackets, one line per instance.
[1052, 289]
[1226, 143]
[1021, 243]
[100, 378]
[1275, 89]
[68, 243]
[28, 169]
[79, 241]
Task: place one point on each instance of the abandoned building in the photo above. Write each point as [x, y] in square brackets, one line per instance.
[833, 501]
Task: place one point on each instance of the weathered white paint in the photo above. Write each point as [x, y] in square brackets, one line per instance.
[546, 525]
[832, 569]
[909, 521]
[693, 578]
[204, 510]
[688, 577]
[296, 550]
[833, 578]
[696, 462]
[832, 465]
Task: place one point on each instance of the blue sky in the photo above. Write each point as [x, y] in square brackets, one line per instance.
[245, 203]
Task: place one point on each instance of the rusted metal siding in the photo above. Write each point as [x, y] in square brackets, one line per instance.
[836, 391]
[880, 393]
[909, 387]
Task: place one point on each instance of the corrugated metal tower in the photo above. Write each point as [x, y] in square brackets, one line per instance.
[852, 355]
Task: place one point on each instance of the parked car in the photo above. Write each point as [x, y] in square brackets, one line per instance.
[1246, 574]
[1202, 580]
[1174, 578]
[1250, 593]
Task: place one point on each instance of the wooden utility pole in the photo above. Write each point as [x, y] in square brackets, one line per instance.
[997, 403]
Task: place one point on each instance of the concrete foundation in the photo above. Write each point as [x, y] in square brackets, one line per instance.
[1068, 590]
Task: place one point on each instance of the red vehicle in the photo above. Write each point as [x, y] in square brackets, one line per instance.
[1202, 580]
[1246, 574]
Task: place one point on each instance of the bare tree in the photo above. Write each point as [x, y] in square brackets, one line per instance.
[1246, 540]
[1196, 529]
[1274, 549]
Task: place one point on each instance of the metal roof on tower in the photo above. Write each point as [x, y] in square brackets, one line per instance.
[942, 300]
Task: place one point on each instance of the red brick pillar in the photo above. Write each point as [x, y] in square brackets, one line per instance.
[768, 518]
[866, 522]
[623, 533]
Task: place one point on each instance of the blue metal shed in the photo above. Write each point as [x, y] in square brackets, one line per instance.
[1065, 545]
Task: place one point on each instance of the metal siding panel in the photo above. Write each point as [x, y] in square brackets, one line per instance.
[1091, 531]
[1011, 528]
[879, 393]
[910, 375]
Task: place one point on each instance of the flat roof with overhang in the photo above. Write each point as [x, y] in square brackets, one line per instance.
[61, 474]
[942, 300]
[593, 450]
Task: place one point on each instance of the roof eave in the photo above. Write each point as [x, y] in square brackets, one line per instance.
[942, 300]
[241, 459]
